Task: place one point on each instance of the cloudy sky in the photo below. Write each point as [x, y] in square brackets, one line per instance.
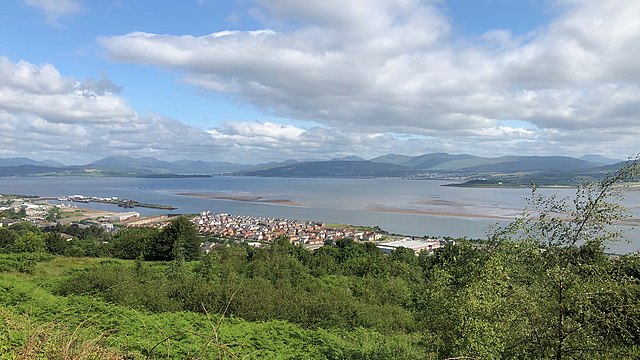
[259, 80]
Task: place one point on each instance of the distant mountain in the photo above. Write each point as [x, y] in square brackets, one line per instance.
[52, 163]
[335, 168]
[152, 165]
[19, 161]
[568, 177]
[30, 170]
[504, 169]
[124, 162]
[273, 164]
[515, 164]
[348, 158]
[560, 169]
[469, 163]
[612, 167]
[599, 159]
[208, 167]
[433, 161]
[395, 159]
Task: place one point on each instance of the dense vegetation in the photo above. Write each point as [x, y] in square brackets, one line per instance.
[25, 237]
[542, 287]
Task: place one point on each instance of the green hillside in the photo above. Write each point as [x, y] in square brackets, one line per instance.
[38, 323]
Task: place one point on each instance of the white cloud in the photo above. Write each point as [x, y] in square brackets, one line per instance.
[260, 142]
[42, 91]
[46, 115]
[55, 9]
[267, 131]
[391, 66]
[36, 79]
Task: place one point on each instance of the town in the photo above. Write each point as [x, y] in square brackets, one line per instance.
[249, 228]
[214, 227]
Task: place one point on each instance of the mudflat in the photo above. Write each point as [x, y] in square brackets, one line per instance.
[240, 197]
[464, 214]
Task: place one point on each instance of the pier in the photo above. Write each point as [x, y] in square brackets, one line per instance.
[125, 203]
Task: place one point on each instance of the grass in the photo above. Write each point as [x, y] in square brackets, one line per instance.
[59, 265]
[24, 339]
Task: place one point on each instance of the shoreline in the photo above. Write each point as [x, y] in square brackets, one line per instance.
[242, 198]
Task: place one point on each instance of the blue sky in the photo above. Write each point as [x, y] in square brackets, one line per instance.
[260, 80]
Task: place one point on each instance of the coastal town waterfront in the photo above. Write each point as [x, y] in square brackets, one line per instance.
[252, 230]
[256, 231]
[415, 208]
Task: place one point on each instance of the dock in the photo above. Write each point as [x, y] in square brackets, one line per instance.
[125, 203]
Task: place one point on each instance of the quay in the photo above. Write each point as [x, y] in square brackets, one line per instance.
[125, 203]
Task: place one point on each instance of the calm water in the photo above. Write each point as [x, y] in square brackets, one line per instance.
[329, 200]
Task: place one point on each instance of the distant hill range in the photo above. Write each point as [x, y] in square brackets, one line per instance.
[475, 170]
[437, 162]
[20, 161]
[117, 166]
[598, 159]
[479, 171]
[331, 168]
[153, 165]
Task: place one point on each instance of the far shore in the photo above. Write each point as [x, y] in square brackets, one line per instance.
[241, 197]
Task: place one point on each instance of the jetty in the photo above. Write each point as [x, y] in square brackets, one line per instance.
[124, 203]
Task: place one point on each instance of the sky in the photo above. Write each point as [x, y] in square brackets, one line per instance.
[252, 81]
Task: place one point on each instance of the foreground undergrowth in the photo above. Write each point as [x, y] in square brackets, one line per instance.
[36, 323]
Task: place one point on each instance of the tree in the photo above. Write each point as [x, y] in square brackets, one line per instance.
[542, 287]
[324, 261]
[7, 239]
[130, 243]
[24, 227]
[12, 214]
[209, 266]
[403, 254]
[29, 242]
[179, 238]
[53, 214]
[576, 278]
[55, 243]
